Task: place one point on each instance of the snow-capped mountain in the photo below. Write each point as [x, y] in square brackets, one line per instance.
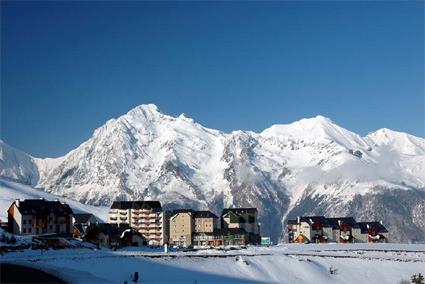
[17, 165]
[311, 166]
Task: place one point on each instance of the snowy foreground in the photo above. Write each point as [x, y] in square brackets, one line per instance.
[357, 263]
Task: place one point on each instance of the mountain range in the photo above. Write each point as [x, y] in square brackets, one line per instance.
[311, 166]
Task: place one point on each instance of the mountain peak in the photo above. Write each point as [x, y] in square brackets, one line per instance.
[147, 108]
[405, 143]
[314, 127]
[149, 112]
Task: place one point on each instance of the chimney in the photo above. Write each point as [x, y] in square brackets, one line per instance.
[339, 223]
[381, 222]
[17, 202]
[367, 226]
[298, 219]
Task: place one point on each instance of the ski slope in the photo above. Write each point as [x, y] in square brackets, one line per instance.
[9, 191]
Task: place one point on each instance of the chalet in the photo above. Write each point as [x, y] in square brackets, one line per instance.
[146, 217]
[371, 232]
[39, 216]
[319, 229]
[84, 219]
[114, 235]
[342, 229]
[81, 222]
[309, 229]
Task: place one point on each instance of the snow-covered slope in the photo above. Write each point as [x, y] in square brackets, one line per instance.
[309, 166]
[16, 165]
[9, 191]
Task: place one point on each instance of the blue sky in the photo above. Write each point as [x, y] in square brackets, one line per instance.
[67, 67]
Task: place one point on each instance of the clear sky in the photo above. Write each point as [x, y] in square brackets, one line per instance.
[68, 67]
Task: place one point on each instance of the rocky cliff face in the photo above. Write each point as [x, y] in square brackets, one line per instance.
[309, 166]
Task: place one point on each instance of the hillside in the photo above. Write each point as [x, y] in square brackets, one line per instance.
[312, 166]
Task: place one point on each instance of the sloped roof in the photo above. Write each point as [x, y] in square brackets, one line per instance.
[40, 207]
[238, 211]
[334, 222]
[112, 229]
[174, 213]
[82, 218]
[364, 229]
[205, 214]
[314, 219]
[154, 205]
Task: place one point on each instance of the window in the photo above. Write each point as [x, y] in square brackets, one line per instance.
[25, 221]
[24, 230]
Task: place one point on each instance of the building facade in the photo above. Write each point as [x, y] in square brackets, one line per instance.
[113, 235]
[39, 216]
[205, 221]
[182, 227]
[146, 217]
[242, 218]
[371, 232]
[318, 229]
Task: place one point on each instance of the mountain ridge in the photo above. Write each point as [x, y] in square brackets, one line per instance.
[145, 154]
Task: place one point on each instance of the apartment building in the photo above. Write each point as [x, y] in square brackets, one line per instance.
[242, 218]
[205, 221]
[146, 217]
[39, 216]
[182, 227]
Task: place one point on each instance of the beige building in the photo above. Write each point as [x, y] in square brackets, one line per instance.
[182, 226]
[205, 221]
[146, 217]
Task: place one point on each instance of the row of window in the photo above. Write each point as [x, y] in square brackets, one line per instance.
[29, 222]
[29, 230]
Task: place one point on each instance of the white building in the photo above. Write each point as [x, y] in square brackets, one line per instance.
[146, 217]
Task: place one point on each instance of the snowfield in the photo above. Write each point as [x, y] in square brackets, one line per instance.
[357, 263]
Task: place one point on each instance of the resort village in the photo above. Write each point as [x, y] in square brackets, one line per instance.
[141, 223]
